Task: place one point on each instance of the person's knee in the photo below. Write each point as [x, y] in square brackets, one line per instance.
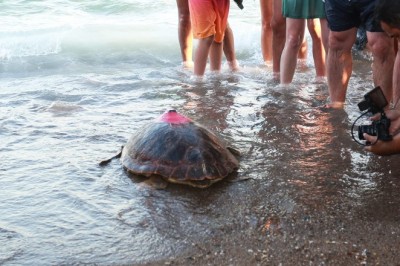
[266, 25]
[338, 42]
[381, 47]
[293, 41]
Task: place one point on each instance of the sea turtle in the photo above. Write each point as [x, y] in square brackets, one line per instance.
[178, 150]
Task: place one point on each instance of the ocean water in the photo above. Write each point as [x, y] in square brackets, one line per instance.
[77, 78]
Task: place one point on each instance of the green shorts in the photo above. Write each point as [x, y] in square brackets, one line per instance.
[303, 9]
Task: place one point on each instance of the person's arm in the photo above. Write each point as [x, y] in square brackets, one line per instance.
[396, 78]
[386, 147]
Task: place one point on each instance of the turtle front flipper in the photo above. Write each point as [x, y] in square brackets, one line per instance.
[107, 161]
[234, 151]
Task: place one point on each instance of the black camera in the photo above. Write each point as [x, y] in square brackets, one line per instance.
[375, 102]
[378, 128]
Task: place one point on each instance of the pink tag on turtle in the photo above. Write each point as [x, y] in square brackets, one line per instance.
[173, 117]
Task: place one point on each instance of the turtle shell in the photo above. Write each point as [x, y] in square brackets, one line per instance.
[180, 151]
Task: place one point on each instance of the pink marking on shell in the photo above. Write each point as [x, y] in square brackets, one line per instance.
[173, 117]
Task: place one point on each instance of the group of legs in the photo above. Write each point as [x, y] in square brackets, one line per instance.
[282, 39]
[279, 44]
[207, 47]
[287, 35]
[344, 20]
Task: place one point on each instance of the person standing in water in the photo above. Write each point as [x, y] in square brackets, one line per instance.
[297, 13]
[344, 17]
[387, 12]
[185, 33]
[273, 34]
[185, 37]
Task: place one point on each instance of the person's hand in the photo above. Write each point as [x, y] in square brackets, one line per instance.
[383, 147]
[394, 116]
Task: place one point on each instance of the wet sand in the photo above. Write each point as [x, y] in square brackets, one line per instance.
[335, 205]
[271, 225]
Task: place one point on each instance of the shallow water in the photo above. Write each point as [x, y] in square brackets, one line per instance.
[79, 79]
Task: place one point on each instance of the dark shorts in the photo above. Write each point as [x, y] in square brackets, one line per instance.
[346, 14]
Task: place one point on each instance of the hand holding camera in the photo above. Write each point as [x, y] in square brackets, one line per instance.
[394, 116]
[374, 102]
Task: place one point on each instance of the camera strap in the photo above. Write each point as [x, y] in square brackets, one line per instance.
[352, 132]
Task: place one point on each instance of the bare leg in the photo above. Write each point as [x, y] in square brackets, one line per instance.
[314, 28]
[201, 55]
[278, 25]
[325, 34]
[185, 32]
[303, 50]
[339, 65]
[229, 49]
[381, 46]
[396, 80]
[266, 29]
[216, 56]
[294, 37]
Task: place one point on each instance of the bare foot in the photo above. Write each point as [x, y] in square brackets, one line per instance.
[233, 65]
[187, 64]
[334, 105]
[276, 76]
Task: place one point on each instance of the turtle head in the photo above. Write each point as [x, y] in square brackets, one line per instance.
[173, 117]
